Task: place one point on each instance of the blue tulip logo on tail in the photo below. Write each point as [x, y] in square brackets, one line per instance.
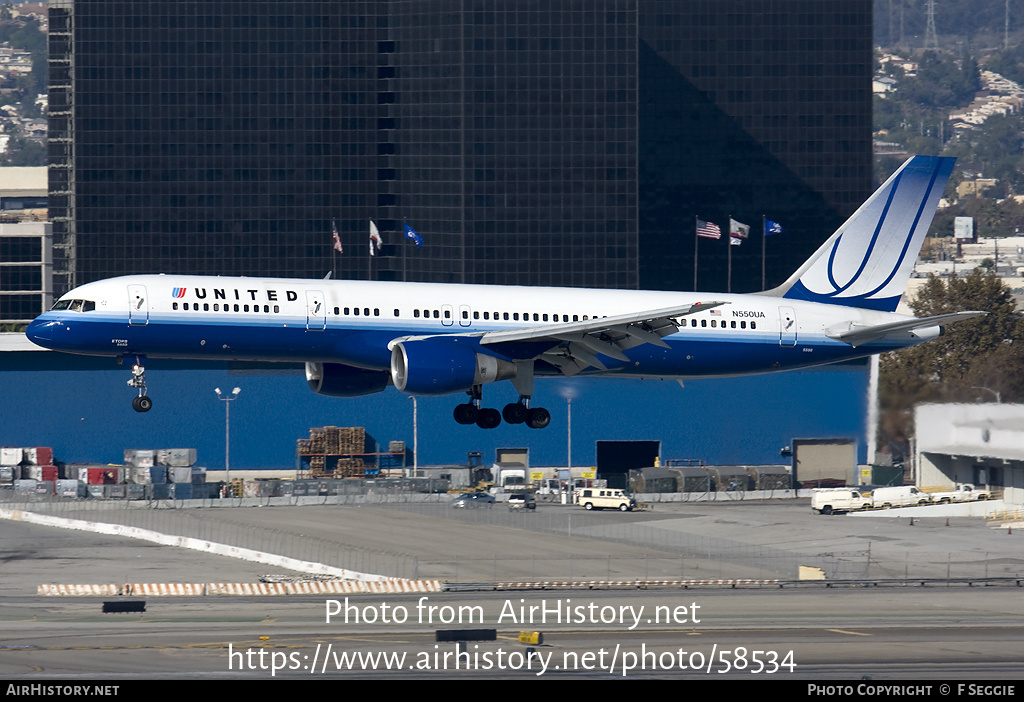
[868, 260]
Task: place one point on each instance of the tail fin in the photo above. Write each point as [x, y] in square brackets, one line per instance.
[867, 262]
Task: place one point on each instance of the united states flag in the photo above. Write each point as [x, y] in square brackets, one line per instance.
[708, 230]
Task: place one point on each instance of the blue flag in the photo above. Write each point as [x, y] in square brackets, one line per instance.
[771, 227]
[410, 233]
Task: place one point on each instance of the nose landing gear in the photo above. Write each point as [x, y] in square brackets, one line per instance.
[138, 380]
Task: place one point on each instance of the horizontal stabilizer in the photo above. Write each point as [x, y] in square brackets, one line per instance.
[858, 336]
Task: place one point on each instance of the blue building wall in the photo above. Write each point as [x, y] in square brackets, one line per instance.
[82, 408]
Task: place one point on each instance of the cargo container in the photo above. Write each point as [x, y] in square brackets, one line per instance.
[179, 474]
[114, 492]
[136, 492]
[46, 487]
[49, 473]
[138, 475]
[105, 475]
[198, 475]
[143, 458]
[24, 486]
[158, 475]
[160, 491]
[39, 455]
[11, 456]
[182, 491]
[70, 488]
[7, 475]
[95, 491]
[206, 491]
[176, 457]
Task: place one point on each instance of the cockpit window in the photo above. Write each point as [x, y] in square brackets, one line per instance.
[75, 305]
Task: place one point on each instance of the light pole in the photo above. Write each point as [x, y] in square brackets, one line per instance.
[415, 438]
[226, 399]
[568, 435]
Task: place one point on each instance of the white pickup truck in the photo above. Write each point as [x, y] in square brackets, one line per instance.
[962, 493]
[835, 500]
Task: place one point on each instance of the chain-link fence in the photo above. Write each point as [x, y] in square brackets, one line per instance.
[661, 553]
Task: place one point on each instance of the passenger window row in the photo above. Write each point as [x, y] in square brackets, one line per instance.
[216, 307]
[723, 325]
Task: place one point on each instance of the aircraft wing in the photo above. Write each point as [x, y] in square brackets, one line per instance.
[575, 346]
[857, 336]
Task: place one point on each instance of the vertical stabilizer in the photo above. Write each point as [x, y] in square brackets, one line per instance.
[867, 262]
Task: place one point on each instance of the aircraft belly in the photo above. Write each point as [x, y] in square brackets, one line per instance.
[720, 357]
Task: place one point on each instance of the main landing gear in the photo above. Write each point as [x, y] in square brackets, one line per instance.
[514, 413]
[138, 380]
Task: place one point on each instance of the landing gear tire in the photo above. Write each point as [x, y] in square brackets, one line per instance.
[466, 413]
[538, 418]
[142, 404]
[488, 418]
[515, 413]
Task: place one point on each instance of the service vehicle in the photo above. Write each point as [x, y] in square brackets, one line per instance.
[963, 493]
[606, 498]
[899, 496]
[838, 500]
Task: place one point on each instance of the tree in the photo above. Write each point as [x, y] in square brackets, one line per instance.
[987, 351]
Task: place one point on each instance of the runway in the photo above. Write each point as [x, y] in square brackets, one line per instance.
[886, 633]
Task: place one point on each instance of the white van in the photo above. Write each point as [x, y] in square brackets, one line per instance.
[605, 498]
[834, 500]
[899, 496]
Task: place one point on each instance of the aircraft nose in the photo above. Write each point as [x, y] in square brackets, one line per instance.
[40, 332]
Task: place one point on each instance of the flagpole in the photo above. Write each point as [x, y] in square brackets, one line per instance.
[764, 236]
[728, 282]
[696, 219]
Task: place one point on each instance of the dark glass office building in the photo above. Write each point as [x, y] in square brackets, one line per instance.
[541, 143]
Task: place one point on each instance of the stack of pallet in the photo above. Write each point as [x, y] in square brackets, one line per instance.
[346, 444]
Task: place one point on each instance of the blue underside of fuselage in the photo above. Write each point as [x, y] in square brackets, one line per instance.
[700, 353]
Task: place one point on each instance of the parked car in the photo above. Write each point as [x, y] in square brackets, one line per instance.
[473, 499]
[521, 500]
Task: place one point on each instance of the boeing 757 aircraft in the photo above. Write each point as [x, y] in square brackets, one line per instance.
[358, 337]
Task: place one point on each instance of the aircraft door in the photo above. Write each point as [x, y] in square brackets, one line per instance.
[138, 305]
[464, 316]
[447, 316]
[316, 311]
[787, 326]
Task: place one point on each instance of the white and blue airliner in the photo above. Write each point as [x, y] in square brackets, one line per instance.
[358, 337]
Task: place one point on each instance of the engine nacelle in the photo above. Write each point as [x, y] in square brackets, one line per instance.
[443, 365]
[339, 380]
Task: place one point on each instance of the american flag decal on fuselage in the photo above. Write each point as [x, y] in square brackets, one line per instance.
[178, 292]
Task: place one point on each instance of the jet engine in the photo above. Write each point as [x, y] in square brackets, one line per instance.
[442, 365]
[339, 380]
